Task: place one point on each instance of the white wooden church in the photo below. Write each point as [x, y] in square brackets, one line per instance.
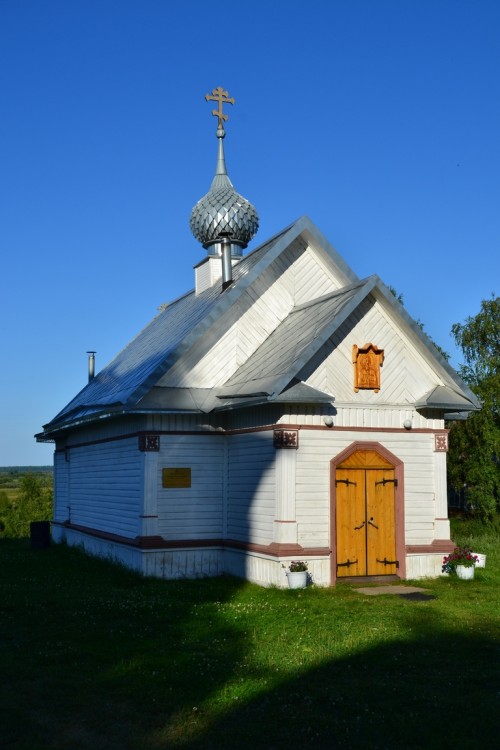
[283, 409]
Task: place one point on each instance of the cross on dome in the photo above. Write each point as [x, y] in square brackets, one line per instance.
[222, 212]
[222, 97]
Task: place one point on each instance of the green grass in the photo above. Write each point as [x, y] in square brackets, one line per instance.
[95, 657]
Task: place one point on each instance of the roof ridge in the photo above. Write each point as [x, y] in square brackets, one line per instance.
[337, 292]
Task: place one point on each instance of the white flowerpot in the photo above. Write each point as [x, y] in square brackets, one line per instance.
[481, 560]
[465, 573]
[297, 580]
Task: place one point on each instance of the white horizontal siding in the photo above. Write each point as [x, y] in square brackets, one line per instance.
[195, 512]
[347, 415]
[316, 450]
[179, 422]
[111, 429]
[106, 486]
[383, 416]
[105, 429]
[251, 488]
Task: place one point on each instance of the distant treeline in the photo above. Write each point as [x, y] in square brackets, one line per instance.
[26, 469]
[11, 477]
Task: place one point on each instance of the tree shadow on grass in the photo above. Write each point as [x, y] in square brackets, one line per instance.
[431, 692]
[94, 656]
[98, 658]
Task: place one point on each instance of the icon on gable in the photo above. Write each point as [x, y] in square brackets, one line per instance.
[367, 361]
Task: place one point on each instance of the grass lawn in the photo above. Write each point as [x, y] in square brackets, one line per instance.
[95, 657]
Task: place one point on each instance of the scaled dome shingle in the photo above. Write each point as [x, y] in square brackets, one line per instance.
[223, 211]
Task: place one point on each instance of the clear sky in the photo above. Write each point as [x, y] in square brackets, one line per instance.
[379, 119]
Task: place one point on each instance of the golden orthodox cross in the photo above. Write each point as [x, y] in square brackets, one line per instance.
[222, 97]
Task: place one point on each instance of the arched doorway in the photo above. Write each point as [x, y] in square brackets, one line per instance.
[367, 513]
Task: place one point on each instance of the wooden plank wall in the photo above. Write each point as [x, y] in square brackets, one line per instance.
[251, 487]
[195, 512]
[317, 448]
[105, 486]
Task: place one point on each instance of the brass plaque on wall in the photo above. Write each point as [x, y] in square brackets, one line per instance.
[176, 478]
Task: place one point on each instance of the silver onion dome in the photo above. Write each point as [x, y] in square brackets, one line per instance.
[222, 212]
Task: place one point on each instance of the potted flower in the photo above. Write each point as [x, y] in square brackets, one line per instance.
[481, 559]
[461, 561]
[297, 574]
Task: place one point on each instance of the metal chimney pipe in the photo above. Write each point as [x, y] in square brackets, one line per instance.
[91, 365]
[227, 268]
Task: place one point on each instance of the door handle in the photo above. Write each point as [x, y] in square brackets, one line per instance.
[372, 524]
[359, 527]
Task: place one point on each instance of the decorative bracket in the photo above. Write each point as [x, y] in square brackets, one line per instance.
[286, 438]
[441, 442]
[149, 443]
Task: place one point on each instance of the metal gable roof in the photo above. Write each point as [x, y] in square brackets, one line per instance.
[124, 384]
[443, 397]
[118, 381]
[308, 326]
[137, 368]
[296, 392]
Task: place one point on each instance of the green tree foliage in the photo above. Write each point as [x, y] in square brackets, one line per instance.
[33, 502]
[474, 455]
[399, 297]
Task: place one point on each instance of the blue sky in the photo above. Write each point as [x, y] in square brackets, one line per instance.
[380, 119]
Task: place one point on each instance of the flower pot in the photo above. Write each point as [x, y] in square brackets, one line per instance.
[465, 573]
[481, 560]
[297, 580]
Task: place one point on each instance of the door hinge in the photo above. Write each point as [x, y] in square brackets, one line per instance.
[388, 481]
[344, 481]
[385, 561]
[347, 564]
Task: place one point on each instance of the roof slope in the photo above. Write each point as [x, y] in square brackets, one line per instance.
[277, 362]
[138, 367]
[270, 373]
[294, 342]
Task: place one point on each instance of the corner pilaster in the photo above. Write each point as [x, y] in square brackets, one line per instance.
[285, 525]
[149, 514]
[441, 521]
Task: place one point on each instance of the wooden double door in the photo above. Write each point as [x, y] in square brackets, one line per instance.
[365, 490]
